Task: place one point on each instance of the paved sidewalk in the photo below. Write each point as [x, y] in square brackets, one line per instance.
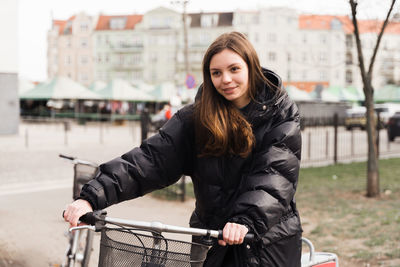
[32, 229]
[32, 155]
[35, 186]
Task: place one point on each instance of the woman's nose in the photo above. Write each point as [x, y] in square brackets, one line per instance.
[226, 78]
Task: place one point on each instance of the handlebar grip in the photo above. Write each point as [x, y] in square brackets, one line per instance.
[88, 218]
[249, 237]
[66, 157]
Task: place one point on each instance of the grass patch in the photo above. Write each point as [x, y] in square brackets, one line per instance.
[339, 218]
[366, 230]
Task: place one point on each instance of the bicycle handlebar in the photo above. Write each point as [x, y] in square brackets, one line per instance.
[66, 157]
[99, 219]
[78, 161]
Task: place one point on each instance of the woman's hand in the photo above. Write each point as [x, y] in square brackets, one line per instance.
[75, 210]
[233, 234]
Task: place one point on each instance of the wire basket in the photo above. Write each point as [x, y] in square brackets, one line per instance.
[83, 173]
[122, 247]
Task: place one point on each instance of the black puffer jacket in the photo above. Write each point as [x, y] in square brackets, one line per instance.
[257, 191]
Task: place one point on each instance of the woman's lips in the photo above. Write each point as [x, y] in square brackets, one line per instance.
[229, 90]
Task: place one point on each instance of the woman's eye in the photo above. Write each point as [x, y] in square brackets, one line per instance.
[235, 69]
[215, 73]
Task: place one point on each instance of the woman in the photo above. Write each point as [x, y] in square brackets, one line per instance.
[240, 142]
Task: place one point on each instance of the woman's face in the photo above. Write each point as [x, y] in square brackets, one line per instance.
[230, 76]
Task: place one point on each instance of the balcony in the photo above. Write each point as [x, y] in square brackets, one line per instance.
[126, 48]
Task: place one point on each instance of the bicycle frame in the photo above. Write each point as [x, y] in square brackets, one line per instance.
[99, 220]
[318, 259]
[80, 241]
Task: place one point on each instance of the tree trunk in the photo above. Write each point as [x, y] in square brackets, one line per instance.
[372, 168]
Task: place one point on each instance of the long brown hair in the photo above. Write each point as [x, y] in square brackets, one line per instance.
[221, 129]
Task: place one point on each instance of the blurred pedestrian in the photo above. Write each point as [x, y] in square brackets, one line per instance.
[144, 123]
[240, 143]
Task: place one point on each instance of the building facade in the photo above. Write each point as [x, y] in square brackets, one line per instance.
[9, 104]
[70, 49]
[307, 51]
[118, 48]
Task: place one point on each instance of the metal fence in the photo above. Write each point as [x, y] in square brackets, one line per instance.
[326, 141]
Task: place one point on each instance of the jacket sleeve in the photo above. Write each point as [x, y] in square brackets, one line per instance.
[268, 190]
[158, 162]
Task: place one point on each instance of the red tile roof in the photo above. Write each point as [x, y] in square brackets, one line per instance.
[61, 24]
[376, 25]
[103, 22]
[323, 22]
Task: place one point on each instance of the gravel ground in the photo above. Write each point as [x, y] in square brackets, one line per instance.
[35, 186]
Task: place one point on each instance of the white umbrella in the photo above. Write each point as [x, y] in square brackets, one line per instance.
[59, 88]
[297, 94]
[121, 90]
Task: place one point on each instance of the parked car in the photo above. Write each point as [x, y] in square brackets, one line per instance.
[393, 127]
[355, 118]
[386, 111]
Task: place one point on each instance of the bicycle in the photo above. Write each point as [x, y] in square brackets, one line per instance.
[79, 241]
[129, 243]
[318, 259]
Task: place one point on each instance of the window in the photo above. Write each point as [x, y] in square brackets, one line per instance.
[121, 60]
[336, 24]
[137, 59]
[256, 19]
[322, 37]
[272, 56]
[349, 58]
[323, 76]
[271, 37]
[84, 26]
[69, 42]
[304, 38]
[205, 38]
[256, 37]
[349, 76]
[117, 23]
[209, 20]
[304, 75]
[68, 60]
[84, 60]
[323, 57]
[349, 40]
[153, 57]
[160, 22]
[84, 42]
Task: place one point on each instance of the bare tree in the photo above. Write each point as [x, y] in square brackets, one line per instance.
[366, 75]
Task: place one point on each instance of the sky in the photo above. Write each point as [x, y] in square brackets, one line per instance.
[34, 18]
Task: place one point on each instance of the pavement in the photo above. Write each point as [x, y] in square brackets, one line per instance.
[35, 186]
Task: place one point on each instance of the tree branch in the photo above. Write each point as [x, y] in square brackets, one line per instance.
[378, 41]
[353, 5]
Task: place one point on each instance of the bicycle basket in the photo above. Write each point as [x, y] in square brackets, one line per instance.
[82, 174]
[122, 247]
